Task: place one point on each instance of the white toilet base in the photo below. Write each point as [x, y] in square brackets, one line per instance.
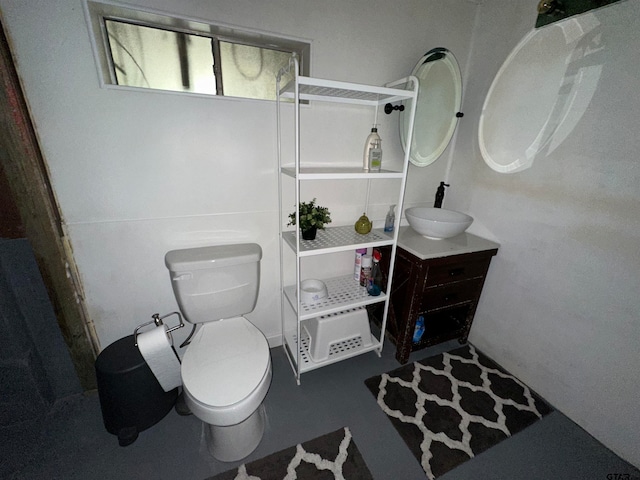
[235, 442]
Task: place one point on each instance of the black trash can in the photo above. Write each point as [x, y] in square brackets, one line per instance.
[131, 398]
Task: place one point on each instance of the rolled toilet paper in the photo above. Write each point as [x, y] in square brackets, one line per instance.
[155, 347]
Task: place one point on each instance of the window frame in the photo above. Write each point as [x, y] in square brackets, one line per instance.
[96, 12]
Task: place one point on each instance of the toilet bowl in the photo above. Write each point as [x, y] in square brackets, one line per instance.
[226, 369]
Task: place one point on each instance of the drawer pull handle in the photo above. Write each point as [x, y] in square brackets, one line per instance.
[456, 271]
[450, 297]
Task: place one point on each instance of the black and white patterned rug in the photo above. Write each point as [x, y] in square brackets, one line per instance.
[450, 407]
[333, 456]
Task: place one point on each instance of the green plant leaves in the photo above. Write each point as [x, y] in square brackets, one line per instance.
[311, 215]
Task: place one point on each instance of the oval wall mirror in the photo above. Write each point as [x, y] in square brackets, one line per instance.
[439, 98]
[540, 93]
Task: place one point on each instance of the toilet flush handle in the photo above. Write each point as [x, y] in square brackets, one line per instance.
[182, 276]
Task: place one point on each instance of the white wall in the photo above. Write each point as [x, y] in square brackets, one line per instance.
[561, 305]
[139, 173]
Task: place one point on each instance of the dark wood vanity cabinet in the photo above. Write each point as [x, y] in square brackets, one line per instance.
[444, 291]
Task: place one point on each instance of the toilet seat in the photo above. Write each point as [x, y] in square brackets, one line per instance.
[232, 414]
[225, 364]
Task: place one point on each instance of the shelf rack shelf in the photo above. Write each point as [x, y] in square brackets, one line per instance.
[319, 89]
[338, 173]
[345, 293]
[336, 239]
[343, 351]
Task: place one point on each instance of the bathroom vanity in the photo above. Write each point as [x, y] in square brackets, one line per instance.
[440, 280]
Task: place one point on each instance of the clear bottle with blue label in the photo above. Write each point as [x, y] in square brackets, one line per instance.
[390, 220]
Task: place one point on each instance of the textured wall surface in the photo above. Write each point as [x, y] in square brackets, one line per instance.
[560, 306]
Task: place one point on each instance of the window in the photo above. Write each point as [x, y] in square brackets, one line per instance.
[151, 50]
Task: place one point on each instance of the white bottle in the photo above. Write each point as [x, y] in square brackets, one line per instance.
[375, 156]
[368, 145]
[358, 264]
[365, 272]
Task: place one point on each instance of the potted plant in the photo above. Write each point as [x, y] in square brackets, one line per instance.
[312, 218]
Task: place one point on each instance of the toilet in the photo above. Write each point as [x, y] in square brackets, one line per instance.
[226, 369]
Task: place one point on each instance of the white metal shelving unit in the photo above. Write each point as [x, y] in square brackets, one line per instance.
[345, 294]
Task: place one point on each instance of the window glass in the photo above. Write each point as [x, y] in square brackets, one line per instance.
[161, 59]
[157, 57]
[250, 71]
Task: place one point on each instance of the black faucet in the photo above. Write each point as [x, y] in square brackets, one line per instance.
[440, 195]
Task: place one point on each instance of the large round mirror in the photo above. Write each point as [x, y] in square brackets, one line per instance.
[540, 93]
[439, 99]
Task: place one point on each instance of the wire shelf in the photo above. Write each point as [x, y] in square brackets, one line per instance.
[343, 292]
[344, 92]
[339, 351]
[339, 173]
[338, 239]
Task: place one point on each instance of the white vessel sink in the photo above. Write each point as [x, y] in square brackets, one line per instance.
[437, 223]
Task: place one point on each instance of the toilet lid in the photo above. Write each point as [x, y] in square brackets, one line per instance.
[225, 362]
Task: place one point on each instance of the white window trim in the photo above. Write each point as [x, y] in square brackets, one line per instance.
[95, 11]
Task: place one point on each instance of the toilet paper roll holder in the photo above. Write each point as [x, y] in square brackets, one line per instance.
[157, 320]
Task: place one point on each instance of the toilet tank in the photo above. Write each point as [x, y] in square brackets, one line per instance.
[211, 283]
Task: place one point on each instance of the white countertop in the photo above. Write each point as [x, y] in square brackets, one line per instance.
[425, 248]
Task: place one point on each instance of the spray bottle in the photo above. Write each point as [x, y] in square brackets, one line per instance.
[374, 284]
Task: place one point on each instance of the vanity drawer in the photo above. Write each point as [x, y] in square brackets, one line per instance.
[447, 295]
[455, 272]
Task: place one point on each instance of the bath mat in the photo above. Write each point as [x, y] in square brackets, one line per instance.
[331, 456]
[450, 407]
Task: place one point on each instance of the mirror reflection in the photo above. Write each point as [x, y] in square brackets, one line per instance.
[439, 100]
[543, 88]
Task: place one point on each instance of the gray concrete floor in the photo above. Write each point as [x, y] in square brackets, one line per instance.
[71, 443]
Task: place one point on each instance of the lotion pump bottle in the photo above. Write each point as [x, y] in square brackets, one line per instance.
[440, 195]
[390, 220]
[368, 145]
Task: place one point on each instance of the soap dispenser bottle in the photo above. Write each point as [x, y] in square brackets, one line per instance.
[390, 220]
[369, 144]
[440, 195]
[375, 156]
